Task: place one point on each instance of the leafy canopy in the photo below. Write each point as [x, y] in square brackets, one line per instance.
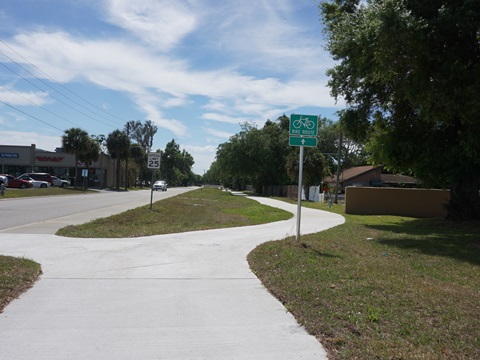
[409, 72]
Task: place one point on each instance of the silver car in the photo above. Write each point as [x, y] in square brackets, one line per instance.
[60, 182]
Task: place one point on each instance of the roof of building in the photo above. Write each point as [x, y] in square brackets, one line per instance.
[351, 173]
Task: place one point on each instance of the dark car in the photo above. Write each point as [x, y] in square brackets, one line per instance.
[40, 177]
[13, 182]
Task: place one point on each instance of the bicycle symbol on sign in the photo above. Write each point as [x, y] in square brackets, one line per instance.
[304, 121]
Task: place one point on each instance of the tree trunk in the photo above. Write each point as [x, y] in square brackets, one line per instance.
[464, 199]
[118, 174]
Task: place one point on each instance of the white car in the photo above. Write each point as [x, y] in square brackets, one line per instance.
[35, 183]
[160, 185]
[60, 182]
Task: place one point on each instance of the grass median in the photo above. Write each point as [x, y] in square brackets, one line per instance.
[200, 209]
[16, 276]
[381, 287]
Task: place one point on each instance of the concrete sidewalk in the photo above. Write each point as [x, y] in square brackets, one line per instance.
[178, 296]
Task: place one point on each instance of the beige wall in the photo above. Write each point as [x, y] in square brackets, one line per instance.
[16, 155]
[393, 201]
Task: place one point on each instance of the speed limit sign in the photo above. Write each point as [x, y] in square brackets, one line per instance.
[153, 160]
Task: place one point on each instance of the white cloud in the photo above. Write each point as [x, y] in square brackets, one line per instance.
[147, 105]
[12, 119]
[133, 69]
[271, 36]
[222, 118]
[15, 97]
[41, 141]
[159, 23]
[175, 102]
[219, 133]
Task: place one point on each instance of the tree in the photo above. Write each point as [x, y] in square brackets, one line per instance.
[118, 145]
[101, 140]
[315, 167]
[142, 134]
[255, 156]
[272, 150]
[263, 157]
[233, 161]
[409, 72]
[213, 175]
[139, 157]
[75, 141]
[176, 165]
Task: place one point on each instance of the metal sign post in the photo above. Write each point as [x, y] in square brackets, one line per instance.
[153, 163]
[299, 202]
[303, 132]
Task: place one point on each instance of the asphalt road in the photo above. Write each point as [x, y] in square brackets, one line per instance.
[47, 214]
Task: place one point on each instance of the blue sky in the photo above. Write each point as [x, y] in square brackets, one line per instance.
[196, 68]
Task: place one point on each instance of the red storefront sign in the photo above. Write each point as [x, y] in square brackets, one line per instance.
[49, 158]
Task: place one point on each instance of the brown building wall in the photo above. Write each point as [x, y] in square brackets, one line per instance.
[422, 203]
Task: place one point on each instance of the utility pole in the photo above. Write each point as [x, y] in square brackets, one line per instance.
[126, 159]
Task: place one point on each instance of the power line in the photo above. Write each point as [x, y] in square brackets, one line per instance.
[34, 117]
[60, 84]
[56, 98]
[40, 106]
[53, 80]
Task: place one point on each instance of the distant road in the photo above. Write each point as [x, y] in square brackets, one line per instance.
[47, 214]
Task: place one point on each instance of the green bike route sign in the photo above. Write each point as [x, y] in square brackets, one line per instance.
[302, 141]
[303, 125]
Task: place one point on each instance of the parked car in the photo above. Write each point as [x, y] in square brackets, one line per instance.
[35, 183]
[3, 180]
[14, 182]
[40, 177]
[160, 185]
[60, 182]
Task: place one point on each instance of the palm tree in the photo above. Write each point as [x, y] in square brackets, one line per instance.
[91, 154]
[75, 141]
[118, 144]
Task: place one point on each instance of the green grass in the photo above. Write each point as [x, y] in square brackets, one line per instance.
[381, 287]
[16, 276]
[19, 193]
[195, 210]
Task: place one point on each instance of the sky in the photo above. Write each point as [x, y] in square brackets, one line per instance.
[197, 69]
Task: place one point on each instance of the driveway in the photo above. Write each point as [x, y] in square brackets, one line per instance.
[179, 296]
